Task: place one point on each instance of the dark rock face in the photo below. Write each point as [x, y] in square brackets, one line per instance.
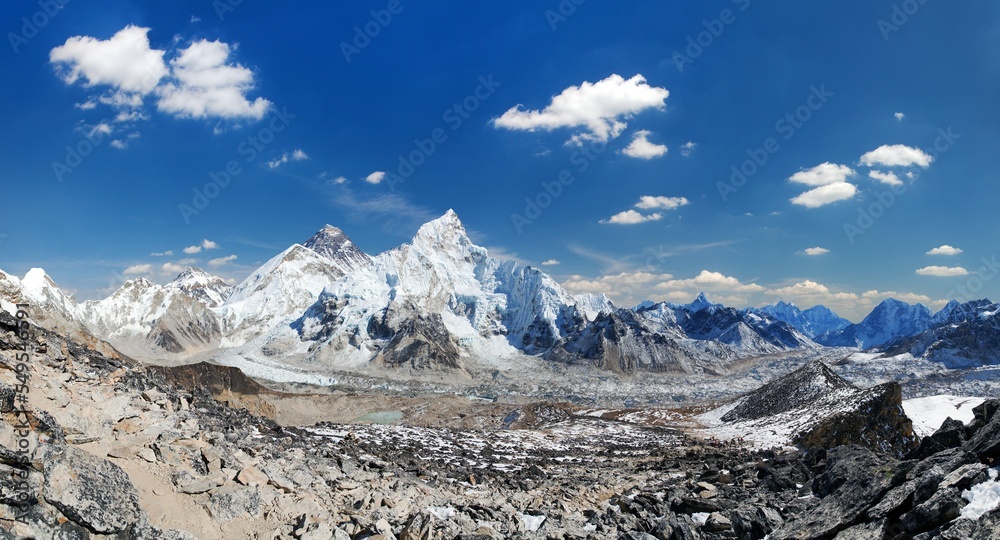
[91, 491]
[421, 342]
[621, 343]
[801, 387]
[877, 422]
[213, 378]
[985, 443]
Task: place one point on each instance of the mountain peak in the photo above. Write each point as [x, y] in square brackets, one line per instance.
[701, 302]
[447, 230]
[333, 244]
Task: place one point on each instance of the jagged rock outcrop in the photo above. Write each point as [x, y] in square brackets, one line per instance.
[813, 407]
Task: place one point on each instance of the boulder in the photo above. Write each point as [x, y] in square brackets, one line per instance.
[90, 491]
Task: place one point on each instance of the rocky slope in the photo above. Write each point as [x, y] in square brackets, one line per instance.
[118, 450]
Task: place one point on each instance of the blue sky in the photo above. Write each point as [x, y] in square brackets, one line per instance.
[642, 109]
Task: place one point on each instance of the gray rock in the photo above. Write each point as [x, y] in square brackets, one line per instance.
[943, 507]
[232, 502]
[90, 491]
[865, 531]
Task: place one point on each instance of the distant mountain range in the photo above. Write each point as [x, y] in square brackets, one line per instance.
[441, 302]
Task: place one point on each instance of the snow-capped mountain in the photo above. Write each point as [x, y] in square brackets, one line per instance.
[150, 321]
[812, 322]
[434, 292]
[967, 336]
[745, 333]
[890, 320]
[441, 301]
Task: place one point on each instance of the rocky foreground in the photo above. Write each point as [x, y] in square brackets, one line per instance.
[104, 448]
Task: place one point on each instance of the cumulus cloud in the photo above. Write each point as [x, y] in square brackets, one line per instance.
[642, 148]
[889, 178]
[814, 251]
[708, 280]
[646, 202]
[172, 269]
[942, 271]
[125, 61]
[550, 262]
[945, 250]
[221, 261]
[823, 174]
[632, 217]
[823, 195]
[896, 155]
[162, 253]
[205, 244]
[649, 202]
[688, 148]
[899, 116]
[613, 283]
[138, 270]
[600, 109]
[204, 84]
[375, 177]
[338, 181]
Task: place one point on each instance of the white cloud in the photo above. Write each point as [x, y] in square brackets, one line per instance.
[162, 253]
[613, 283]
[138, 270]
[641, 148]
[688, 148]
[649, 202]
[823, 174]
[221, 261]
[899, 116]
[340, 180]
[708, 280]
[205, 244]
[550, 262]
[103, 128]
[172, 269]
[599, 109]
[187, 261]
[886, 177]
[195, 19]
[646, 202]
[125, 62]
[375, 177]
[204, 85]
[897, 155]
[119, 144]
[942, 271]
[632, 217]
[129, 116]
[945, 250]
[824, 195]
[88, 105]
[814, 251]
[296, 155]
